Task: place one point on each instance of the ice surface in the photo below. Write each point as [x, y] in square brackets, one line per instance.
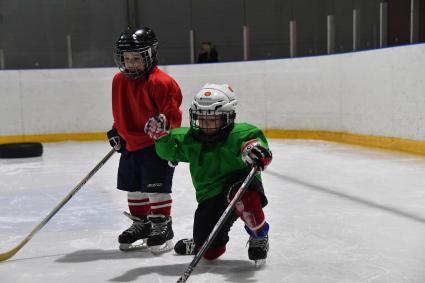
[337, 213]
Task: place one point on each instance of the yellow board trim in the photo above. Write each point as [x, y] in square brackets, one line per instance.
[54, 137]
[398, 144]
[412, 146]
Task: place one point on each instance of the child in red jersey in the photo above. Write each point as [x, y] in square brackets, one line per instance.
[139, 91]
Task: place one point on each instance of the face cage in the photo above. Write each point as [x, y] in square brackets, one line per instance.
[149, 60]
[213, 127]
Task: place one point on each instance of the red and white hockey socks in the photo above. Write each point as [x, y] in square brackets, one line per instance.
[138, 203]
[160, 204]
[249, 209]
[213, 253]
[143, 204]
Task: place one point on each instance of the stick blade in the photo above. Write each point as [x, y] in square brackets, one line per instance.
[9, 254]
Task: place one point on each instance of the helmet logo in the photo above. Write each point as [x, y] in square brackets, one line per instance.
[207, 93]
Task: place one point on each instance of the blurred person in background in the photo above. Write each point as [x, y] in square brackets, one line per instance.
[207, 53]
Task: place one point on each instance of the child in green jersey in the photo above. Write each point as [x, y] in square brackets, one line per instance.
[220, 153]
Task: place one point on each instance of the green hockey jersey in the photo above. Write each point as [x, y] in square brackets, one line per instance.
[210, 164]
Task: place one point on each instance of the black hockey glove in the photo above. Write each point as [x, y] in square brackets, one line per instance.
[116, 141]
[254, 154]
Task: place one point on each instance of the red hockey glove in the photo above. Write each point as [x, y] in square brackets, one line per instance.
[253, 153]
[156, 126]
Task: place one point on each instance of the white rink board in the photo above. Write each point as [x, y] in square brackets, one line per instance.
[378, 92]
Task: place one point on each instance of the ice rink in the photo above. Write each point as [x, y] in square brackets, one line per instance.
[337, 213]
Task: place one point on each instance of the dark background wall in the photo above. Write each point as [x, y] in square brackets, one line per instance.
[33, 33]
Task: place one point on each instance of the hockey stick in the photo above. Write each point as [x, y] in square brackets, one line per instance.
[217, 227]
[12, 252]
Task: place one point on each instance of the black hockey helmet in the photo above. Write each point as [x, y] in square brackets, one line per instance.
[142, 41]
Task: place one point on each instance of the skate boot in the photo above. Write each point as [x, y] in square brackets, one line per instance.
[160, 239]
[185, 247]
[140, 230]
[258, 245]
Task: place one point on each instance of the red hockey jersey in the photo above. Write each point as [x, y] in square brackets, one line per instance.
[135, 101]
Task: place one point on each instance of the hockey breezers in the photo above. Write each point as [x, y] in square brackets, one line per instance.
[189, 269]
[12, 252]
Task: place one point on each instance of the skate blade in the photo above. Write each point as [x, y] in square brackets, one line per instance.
[259, 262]
[167, 246]
[140, 245]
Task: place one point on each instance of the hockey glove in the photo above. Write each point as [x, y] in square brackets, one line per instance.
[156, 126]
[254, 154]
[116, 141]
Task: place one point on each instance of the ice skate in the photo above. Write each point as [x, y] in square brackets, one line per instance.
[258, 245]
[135, 237]
[185, 247]
[161, 238]
[257, 250]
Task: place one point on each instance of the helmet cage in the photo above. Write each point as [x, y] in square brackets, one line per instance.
[218, 122]
[147, 53]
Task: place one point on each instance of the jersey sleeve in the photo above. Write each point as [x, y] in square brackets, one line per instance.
[170, 148]
[261, 138]
[168, 98]
[114, 91]
[254, 133]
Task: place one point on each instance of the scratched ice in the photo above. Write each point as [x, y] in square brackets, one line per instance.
[338, 213]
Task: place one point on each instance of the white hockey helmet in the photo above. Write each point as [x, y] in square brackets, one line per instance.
[214, 97]
[213, 101]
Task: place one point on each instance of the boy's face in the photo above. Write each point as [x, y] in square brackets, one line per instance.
[133, 61]
[210, 124]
